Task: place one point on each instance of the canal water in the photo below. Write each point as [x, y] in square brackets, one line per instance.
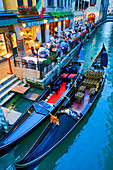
[90, 145]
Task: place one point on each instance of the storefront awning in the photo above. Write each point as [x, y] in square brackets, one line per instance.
[6, 22]
[61, 13]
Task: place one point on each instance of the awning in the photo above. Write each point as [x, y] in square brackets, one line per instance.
[6, 22]
[61, 13]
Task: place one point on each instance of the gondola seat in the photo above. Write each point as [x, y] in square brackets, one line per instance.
[55, 88]
[79, 96]
[92, 91]
[58, 82]
[82, 88]
[65, 73]
[72, 71]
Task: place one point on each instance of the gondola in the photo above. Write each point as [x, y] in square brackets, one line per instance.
[68, 117]
[48, 102]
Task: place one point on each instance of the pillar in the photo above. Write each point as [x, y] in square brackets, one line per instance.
[1, 6]
[33, 2]
[38, 30]
[25, 2]
[10, 4]
[59, 27]
[47, 33]
[64, 25]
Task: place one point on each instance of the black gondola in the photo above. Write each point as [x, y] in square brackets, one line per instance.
[77, 107]
[40, 110]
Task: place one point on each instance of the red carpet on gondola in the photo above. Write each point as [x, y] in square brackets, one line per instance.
[56, 96]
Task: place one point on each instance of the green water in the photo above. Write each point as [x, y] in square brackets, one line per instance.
[90, 145]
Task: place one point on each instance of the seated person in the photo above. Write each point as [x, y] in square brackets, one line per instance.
[33, 51]
[64, 46]
[50, 47]
[42, 52]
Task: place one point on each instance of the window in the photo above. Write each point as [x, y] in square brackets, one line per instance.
[68, 3]
[37, 1]
[92, 2]
[20, 2]
[65, 3]
[29, 2]
[59, 3]
[50, 2]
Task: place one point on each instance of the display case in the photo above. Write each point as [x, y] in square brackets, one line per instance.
[13, 40]
[3, 49]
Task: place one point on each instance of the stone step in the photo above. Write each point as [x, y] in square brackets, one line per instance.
[8, 84]
[4, 94]
[10, 95]
[7, 98]
[6, 79]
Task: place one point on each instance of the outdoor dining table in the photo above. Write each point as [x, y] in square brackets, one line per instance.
[34, 59]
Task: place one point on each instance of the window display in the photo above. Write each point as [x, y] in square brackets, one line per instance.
[3, 49]
[13, 40]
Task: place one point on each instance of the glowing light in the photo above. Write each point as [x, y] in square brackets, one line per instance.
[47, 26]
[21, 33]
[45, 21]
[56, 19]
[66, 18]
[59, 23]
[23, 25]
[37, 29]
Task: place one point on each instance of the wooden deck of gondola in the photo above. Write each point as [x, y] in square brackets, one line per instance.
[20, 89]
[79, 106]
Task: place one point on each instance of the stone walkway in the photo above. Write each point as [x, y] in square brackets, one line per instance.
[4, 69]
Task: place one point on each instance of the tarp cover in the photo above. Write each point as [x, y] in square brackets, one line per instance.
[39, 109]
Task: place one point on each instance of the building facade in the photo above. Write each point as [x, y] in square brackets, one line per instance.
[90, 10]
[57, 15]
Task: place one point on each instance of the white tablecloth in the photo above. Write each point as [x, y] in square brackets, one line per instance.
[27, 58]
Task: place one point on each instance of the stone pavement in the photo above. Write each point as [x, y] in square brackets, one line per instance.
[4, 68]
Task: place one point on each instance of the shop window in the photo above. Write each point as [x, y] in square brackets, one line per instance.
[8, 42]
[3, 49]
[20, 2]
[50, 2]
[67, 22]
[29, 2]
[28, 37]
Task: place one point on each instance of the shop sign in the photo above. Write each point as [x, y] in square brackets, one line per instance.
[35, 23]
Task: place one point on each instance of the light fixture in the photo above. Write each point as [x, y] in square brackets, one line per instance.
[21, 32]
[47, 26]
[59, 23]
[23, 25]
[36, 43]
[66, 18]
[45, 21]
[56, 19]
[37, 29]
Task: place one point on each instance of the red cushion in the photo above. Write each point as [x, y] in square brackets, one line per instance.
[64, 75]
[72, 75]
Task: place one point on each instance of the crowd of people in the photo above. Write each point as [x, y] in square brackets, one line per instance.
[61, 42]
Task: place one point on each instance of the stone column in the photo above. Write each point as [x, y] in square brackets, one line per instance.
[25, 2]
[47, 33]
[38, 30]
[64, 25]
[59, 27]
[33, 2]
